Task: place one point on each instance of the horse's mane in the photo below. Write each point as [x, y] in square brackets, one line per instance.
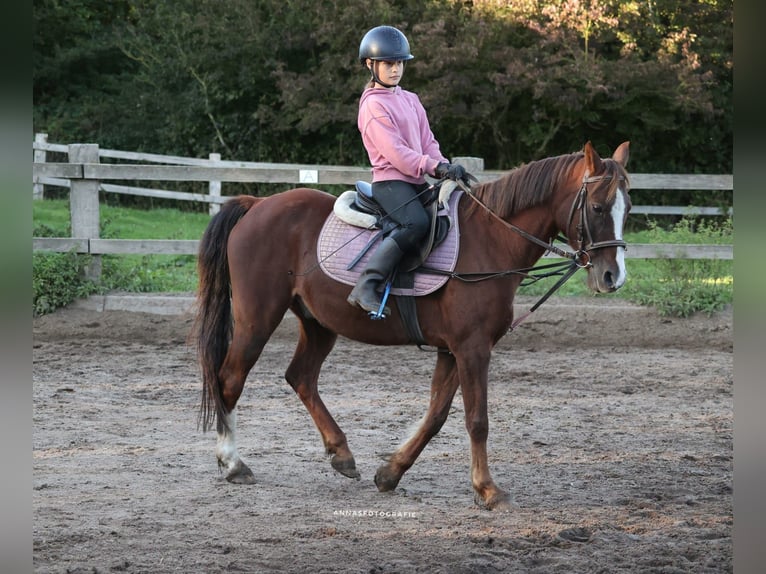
[533, 183]
[527, 185]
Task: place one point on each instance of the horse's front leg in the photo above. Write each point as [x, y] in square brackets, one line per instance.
[473, 384]
[443, 386]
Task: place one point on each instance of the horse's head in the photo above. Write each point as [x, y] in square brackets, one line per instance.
[597, 216]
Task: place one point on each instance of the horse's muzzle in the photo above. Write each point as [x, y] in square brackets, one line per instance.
[607, 280]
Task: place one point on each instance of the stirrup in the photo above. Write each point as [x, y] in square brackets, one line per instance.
[377, 315]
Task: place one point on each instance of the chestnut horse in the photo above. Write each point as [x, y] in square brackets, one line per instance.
[258, 258]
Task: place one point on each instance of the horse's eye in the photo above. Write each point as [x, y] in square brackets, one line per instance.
[597, 207]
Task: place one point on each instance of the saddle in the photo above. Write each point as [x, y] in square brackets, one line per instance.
[351, 230]
[359, 209]
[357, 222]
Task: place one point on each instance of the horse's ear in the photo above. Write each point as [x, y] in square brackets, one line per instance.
[621, 154]
[592, 160]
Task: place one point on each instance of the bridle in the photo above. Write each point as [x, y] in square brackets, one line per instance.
[578, 259]
[585, 243]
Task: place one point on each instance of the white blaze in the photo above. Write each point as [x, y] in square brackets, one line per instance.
[618, 216]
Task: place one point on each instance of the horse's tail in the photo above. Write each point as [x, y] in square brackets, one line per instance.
[213, 323]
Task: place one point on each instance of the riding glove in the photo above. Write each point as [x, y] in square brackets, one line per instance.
[451, 171]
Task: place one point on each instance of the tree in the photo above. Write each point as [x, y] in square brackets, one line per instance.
[279, 80]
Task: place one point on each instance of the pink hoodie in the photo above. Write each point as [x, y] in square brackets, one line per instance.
[396, 133]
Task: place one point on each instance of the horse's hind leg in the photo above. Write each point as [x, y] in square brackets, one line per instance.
[237, 472]
[443, 386]
[248, 341]
[314, 345]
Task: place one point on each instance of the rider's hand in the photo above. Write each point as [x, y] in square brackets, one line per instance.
[451, 171]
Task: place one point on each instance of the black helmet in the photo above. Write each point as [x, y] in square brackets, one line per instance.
[384, 43]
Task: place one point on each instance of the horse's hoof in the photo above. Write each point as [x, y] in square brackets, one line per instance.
[240, 474]
[345, 466]
[386, 480]
[498, 502]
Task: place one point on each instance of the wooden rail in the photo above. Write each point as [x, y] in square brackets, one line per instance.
[84, 175]
[190, 247]
[259, 172]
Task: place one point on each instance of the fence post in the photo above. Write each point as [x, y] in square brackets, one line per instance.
[83, 204]
[215, 188]
[38, 189]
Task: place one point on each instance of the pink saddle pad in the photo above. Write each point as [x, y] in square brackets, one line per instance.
[340, 243]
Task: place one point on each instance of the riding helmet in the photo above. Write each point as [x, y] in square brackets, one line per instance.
[384, 43]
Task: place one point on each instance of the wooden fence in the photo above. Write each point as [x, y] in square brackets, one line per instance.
[85, 176]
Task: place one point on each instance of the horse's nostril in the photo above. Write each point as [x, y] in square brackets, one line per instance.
[609, 280]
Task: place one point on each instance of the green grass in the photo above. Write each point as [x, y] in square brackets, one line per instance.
[674, 287]
[680, 287]
[134, 273]
[677, 287]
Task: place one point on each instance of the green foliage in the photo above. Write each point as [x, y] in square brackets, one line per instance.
[157, 223]
[57, 280]
[51, 218]
[279, 81]
[79, 73]
[149, 273]
[675, 287]
[681, 287]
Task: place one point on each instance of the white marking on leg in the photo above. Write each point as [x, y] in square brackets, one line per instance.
[618, 217]
[226, 447]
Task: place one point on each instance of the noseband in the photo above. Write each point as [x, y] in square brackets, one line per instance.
[585, 243]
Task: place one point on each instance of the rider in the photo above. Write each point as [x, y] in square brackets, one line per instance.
[402, 150]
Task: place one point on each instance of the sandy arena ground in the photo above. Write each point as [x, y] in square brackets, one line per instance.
[611, 427]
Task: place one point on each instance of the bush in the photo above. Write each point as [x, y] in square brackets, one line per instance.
[681, 287]
[57, 280]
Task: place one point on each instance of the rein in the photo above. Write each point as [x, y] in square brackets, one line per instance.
[577, 259]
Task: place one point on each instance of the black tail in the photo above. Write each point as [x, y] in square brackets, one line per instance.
[213, 323]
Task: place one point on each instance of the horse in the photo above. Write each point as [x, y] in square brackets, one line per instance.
[258, 258]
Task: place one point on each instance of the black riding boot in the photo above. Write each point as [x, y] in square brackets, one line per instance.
[379, 266]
